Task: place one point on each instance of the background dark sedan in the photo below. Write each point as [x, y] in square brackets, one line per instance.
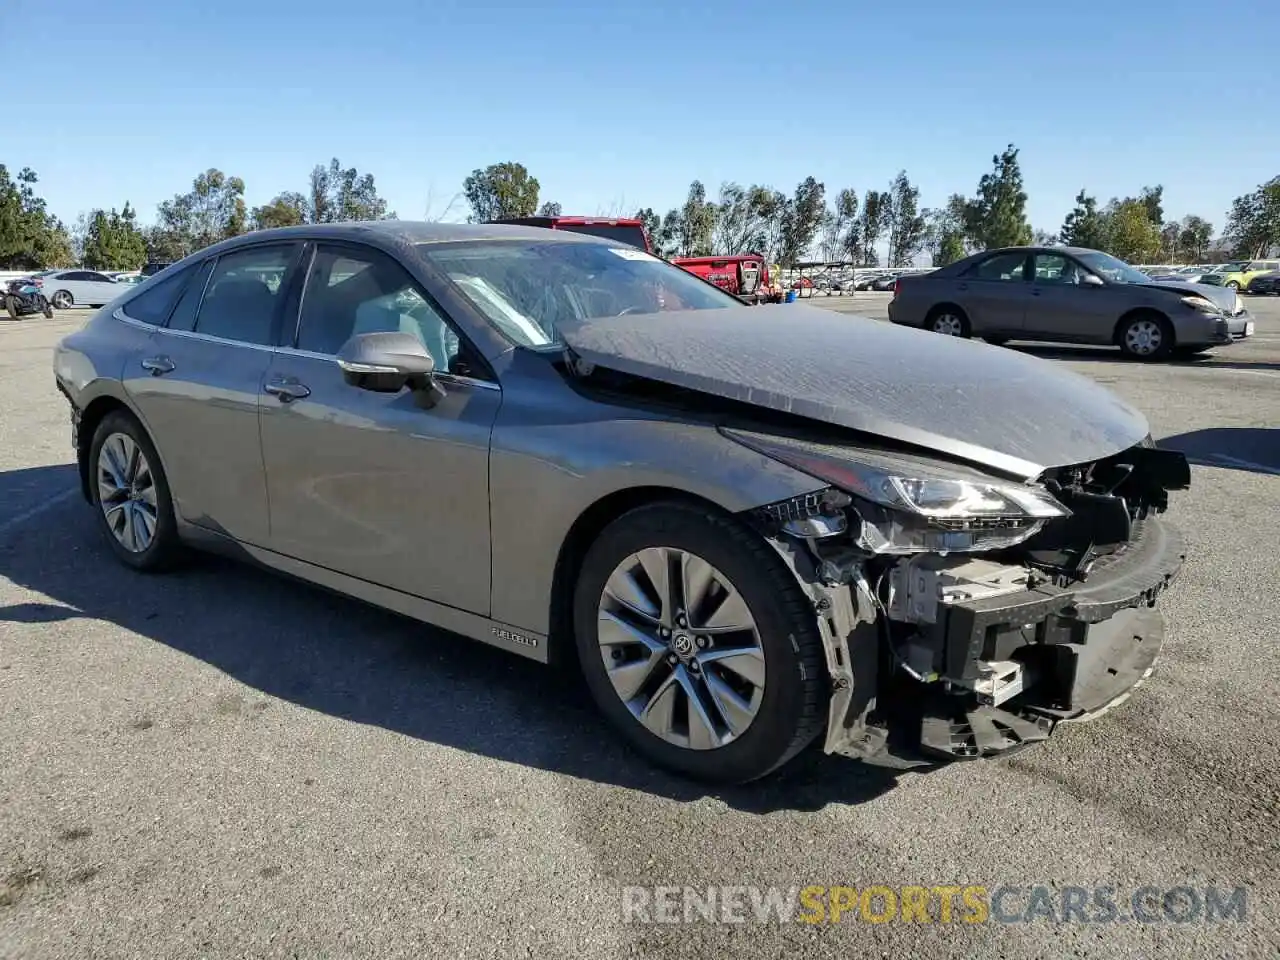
[1268, 283]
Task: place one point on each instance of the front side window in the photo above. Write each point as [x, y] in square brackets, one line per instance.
[527, 288]
[244, 293]
[1003, 266]
[352, 291]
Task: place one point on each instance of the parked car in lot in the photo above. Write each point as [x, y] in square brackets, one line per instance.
[1239, 274]
[1265, 283]
[884, 283]
[753, 528]
[1183, 274]
[85, 288]
[1069, 295]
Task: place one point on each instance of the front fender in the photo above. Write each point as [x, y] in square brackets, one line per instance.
[546, 471]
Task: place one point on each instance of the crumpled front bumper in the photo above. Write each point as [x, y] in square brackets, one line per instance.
[1085, 649]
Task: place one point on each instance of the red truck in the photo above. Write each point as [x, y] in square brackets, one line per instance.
[745, 275]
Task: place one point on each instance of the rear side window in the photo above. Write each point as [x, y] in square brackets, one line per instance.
[155, 300]
[244, 293]
[1003, 266]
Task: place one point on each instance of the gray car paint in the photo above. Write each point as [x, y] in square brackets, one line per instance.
[1007, 411]
[1060, 312]
[395, 494]
[386, 501]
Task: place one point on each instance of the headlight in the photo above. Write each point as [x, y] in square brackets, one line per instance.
[905, 506]
[1202, 304]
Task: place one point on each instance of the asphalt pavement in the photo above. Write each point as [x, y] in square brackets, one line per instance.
[223, 763]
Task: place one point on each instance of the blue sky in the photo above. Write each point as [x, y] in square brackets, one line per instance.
[621, 105]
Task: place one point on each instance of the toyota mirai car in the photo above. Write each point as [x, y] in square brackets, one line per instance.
[757, 531]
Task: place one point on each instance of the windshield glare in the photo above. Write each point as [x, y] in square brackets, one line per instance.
[1109, 268]
[527, 288]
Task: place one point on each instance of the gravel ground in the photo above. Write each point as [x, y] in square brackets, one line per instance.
[222, 763]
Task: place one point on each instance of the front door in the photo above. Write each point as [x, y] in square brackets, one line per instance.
[1064, 309]
[199, 384]
[994, 294]
[369, 484]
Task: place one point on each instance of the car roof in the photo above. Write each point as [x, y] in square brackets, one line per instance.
[414, 231]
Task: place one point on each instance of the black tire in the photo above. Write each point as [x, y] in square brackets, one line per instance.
[11, 306]
[936, 315]
[47, 310]
[165, 549]
[1167, 342]
[1233, 285]
[63, 300]
[792, 710]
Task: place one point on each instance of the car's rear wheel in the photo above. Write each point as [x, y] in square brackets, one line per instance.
[1233, 285]
[62, 300]
[131, 494]
[949, 321]
[1146, 336]
[698, 644]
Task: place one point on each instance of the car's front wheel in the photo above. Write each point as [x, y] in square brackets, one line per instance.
[698, 644]
[131, 494]
[1146, 336]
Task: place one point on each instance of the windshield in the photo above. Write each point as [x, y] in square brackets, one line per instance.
[1230, 268]
[527, 288]
[1108, 267]
[616, 232]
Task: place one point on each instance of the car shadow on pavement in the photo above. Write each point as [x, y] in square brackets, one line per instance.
[334, 655]
[1113, 355]
[1250, 449]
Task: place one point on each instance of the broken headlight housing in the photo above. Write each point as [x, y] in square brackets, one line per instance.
[902, 505]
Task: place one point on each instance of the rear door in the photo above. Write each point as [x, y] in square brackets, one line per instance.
[370, 484]
[199, 385]
[994, 293]
[1063, 309]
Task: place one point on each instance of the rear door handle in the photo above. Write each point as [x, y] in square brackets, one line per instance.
[287, 391]
[158, 366]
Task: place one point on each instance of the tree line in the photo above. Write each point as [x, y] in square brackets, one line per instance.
[786, 227]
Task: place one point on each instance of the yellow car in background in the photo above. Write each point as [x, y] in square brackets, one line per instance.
[1238, 274]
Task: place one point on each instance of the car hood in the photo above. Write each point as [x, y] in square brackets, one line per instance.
[1224, 297]
[987, 405]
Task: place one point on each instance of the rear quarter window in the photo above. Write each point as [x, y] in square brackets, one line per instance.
[154, 301]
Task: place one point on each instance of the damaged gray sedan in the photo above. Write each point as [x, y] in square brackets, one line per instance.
[755, 530]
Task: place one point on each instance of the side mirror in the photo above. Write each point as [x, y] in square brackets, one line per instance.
[389, 362]
[1091, 280]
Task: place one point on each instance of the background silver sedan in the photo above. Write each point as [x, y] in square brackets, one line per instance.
[1069, 295]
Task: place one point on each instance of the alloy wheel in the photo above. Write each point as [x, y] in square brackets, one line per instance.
[127, 492]
[948, 324]
[62, 300]
[1143, 337]
[681, 648]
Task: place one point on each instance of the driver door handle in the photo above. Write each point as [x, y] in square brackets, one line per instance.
[158, 366]
[287, 391]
